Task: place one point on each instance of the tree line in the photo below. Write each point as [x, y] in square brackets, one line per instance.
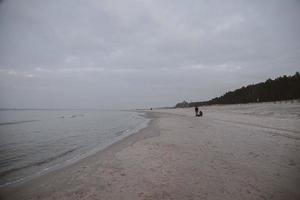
[279, 89]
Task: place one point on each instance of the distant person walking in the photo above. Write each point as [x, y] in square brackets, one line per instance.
[196, 111]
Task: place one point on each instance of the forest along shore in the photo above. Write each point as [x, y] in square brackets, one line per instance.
[233, 152]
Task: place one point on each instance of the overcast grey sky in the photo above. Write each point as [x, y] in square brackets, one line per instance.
[141, 53]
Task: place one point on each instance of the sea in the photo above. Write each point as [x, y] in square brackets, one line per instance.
[34, 142]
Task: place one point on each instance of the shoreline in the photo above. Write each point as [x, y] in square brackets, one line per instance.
[80, 157]
[179, 156]
[107, 151]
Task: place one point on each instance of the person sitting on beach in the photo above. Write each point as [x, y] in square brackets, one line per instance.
[200, 113]
[196, 111]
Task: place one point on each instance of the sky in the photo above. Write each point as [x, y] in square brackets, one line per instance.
[116, 54]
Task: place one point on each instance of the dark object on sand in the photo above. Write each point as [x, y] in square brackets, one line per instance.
[200, 114]
[196, 111]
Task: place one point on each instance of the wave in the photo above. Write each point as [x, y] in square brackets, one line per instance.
[8, 161]
[17, 122]
[5, 173]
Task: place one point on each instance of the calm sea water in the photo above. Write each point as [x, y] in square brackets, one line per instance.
[35, 141]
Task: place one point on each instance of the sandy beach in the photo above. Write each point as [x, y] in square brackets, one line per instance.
[232, 152]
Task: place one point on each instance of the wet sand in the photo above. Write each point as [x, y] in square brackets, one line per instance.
[223, 155]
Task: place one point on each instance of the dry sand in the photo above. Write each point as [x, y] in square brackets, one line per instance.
[233, 152]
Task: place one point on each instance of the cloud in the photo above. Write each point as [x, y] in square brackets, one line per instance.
[17, 74]
[133, 53]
